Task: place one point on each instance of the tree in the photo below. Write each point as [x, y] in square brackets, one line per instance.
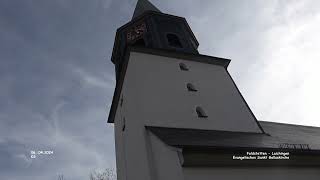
[61, 177]
[107, 174]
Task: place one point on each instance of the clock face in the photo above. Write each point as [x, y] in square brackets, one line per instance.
[136, 32]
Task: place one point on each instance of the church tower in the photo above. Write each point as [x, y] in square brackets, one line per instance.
[156, 60]
[172, 105]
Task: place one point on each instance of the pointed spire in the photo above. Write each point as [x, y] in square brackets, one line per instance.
[142, 6]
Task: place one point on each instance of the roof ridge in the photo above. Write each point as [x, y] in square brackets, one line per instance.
[143, 6]
[308, 126]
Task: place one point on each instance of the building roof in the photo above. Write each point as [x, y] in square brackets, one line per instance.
[277, 136]
[208, 148]
[143, 6]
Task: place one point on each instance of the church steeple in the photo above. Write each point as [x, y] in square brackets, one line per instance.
[143, 6]
[152, 29]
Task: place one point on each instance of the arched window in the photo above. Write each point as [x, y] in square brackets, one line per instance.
[183, 67]
[174, 40]
[139, 42]
[200, 112]
[191, 87]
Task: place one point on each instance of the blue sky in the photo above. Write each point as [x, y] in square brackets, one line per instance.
[57, 80]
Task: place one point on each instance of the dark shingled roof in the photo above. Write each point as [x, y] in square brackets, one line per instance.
[277, 136]
[143, 6]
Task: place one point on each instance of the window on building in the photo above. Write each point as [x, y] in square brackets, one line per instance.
[191, 87]
[201, 113]
[174, 41]
[139, 42]
[183, 67]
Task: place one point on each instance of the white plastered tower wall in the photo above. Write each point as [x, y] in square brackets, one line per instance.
[154, 93]
[158, 89]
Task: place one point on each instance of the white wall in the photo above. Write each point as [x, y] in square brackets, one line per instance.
[154, 92]
[157, 87]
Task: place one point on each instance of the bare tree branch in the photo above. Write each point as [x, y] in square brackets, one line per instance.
[61, 177]
[107, 174]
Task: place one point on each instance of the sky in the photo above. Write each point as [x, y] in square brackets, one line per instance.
[57, 80]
